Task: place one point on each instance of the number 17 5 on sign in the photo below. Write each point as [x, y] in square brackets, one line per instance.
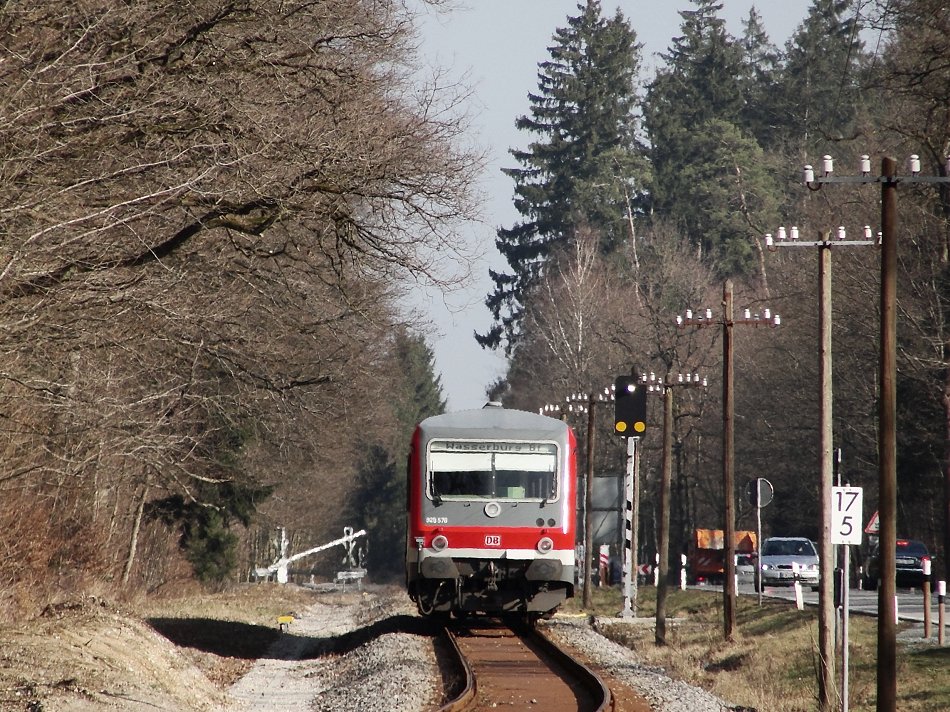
[846, 515]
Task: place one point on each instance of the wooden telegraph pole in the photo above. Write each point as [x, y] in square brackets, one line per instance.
[728, 470]
[728, 440]
[887, 446]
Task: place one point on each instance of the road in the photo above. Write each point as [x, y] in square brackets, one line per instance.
[910, 602]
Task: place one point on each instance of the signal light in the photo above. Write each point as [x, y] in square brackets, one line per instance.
[630, 407]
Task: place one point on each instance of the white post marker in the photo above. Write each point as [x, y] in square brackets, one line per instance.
[682, 572]
[799, 600]
[925, 587]
[736, 578]
[941, 608]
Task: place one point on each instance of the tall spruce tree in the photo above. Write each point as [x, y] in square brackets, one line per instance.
[761, 62]
[586, 166]
[821, 88]
[709, 175]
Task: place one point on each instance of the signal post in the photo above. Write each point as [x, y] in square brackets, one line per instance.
[630, 414]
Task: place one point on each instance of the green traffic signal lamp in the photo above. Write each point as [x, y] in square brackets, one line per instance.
[630, 407]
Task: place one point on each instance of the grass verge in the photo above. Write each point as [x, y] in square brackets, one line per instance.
[772, 664]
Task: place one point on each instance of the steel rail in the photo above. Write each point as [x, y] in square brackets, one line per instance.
[545, 648]
[587, 677]
[467, 695]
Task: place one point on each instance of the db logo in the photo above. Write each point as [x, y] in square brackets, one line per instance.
[493, 540]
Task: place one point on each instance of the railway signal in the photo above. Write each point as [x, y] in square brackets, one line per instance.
[630, 407]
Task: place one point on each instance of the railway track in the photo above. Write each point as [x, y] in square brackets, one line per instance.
[515, 667]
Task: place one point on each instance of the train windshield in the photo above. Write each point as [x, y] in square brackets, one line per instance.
[492, 470]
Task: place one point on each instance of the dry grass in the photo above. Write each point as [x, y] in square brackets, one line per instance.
[772, 664]
[176, 653]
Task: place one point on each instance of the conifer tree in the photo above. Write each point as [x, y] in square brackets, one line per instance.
[586, 165]
[379, 502]
[821, 87]
[709, 174]
[761, 63]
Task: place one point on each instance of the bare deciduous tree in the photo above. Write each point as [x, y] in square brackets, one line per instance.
[206, 211]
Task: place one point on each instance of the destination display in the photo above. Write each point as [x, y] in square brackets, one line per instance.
[492, 446]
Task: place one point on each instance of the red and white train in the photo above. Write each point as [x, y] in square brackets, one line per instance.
[491, 513]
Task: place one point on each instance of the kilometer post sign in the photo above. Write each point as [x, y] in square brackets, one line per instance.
[846, 515]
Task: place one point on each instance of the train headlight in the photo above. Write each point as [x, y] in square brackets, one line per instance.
[545, 545]
[439, 542]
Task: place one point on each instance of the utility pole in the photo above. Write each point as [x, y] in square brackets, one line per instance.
[584, 403]
[589, 513]
[664, 544]
[666, 389]
[826, 466]
[728, 470]
[887, 447]
[728, 440]
[887, 404]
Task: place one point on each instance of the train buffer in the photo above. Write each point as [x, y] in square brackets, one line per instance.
[283, 622]
[351, 575]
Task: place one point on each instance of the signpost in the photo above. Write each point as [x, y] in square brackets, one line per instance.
[847, 505]
[846, 515]
[760, 493]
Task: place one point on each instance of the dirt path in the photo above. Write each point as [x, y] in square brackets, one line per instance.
[282, 679]
[349, 653]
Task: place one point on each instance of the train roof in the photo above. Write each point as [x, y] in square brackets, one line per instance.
[493, 422]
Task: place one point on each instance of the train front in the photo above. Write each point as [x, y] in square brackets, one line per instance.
[491, 513]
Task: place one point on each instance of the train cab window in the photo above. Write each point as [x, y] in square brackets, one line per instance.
[519, 471]
[529, 476]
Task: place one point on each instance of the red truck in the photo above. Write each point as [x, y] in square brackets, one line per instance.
[705, 562]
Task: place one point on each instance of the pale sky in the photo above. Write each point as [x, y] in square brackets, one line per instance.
[498, 44]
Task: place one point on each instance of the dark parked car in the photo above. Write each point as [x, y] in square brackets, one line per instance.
[911, 555]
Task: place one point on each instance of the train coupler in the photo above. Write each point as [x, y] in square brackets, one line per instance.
[492, 582]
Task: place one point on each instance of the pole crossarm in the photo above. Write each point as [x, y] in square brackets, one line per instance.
[886, 179]
[889, 180]
[659, 385]
[829, 243]
[577, 402]
[766, 318]
[790, 238]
